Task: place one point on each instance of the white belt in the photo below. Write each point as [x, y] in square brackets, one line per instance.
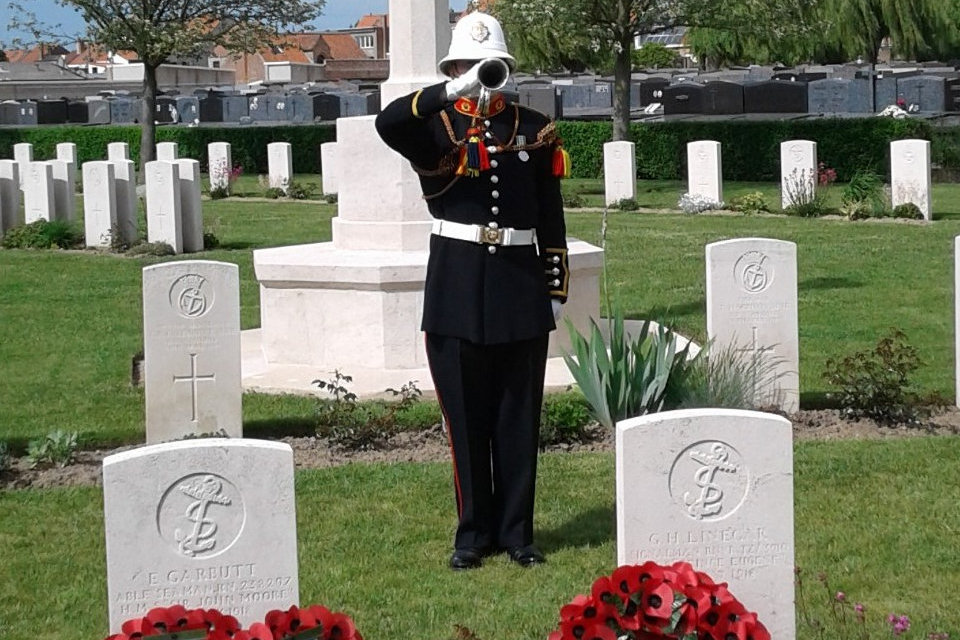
[504, 236]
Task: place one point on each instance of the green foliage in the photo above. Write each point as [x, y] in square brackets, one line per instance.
[726, 378]
[573, 199]
[150, 249]
[6, 460]
[219, 193]
[626, 204]
[210, 240]
[750, 203]
[632, 378]
[864, 197]
[876, 383]
[248, 144]
[908, 210]
[653, 55]
[43, 234]
[564, 418]
[301, 190]
[274, 193]
[57, 447]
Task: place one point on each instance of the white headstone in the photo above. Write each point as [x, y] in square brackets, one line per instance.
[118, 151]
[11, 215]
[99, 203]
[705, 170]
[329, 161]
[910, 174]
[798, 172]
[191, 207]
[168, 151]
[619, 171]
[208, 523]
[220, 164]
[64, 186]
[163, 204]
[125, 182]
[38, 193]
[23, 154]
[713, 487]
[191, 327]
[67, 151]
[280, 164]
[752, 307]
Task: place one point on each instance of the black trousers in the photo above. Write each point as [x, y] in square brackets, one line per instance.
[491, 396]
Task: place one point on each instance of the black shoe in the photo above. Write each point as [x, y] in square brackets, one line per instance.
[464, 559]
[526, 556]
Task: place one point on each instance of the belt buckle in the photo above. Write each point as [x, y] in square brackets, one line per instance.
[491, 236]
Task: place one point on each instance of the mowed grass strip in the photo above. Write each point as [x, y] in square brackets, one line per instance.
[374, 540]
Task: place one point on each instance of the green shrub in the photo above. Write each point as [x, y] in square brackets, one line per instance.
[908, 210]
[301, 190]
[274, 193]
[573, 201]
[210, 240]
[43, 234]
[57, 447]
[750, 203]
[632, 378]
[876, 383]
[419, 416]
[626, 204]
[863, 196]
[564, 418]
[150, 249]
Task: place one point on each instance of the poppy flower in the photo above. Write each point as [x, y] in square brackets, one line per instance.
[627, 579]
[657, 600]
[258, 631]
[599, 632]
[341, 628]
[604, 590]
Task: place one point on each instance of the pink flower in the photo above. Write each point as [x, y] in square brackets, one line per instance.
[899, 624]
[841, 596]
[859, 608]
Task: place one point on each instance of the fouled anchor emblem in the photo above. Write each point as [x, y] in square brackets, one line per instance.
[203, 535]
[710, 500]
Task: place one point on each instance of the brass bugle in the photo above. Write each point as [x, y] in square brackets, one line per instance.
[493, 73]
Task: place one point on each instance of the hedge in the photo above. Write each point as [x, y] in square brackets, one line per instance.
[248, 144]
[751, 150]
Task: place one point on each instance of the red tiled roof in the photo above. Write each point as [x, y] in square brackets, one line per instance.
[342, 47]
[280, 53]
[36, 54]
[372, 20]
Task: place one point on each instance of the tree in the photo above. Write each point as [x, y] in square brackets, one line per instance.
[918, 29]
[161, 30]
[588, 29]
[653, 55]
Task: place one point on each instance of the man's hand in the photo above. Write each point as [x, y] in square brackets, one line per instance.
[465, 84]
[557, 309]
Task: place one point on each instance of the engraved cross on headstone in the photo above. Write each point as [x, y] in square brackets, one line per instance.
[756, 352]
[194, 379]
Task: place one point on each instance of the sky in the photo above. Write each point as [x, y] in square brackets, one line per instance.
[337, 14]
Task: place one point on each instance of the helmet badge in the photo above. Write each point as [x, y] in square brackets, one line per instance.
[479, 32]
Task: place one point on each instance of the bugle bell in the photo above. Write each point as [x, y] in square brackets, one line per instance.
[493, 74]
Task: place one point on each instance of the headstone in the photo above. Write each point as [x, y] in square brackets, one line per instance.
[23, 154]
[191, 327]
[164, 221]
[542, 98]
[38, 193]
[280, 164]
[191, 208]
[78, 112]
[125, 183]
[28, 113]
[124, 110]
[207, 524]
[10, 112]
[168, 151]
[686, 97]
[220, 165]
[651, 91]
[211, 107]
[326, 106]
[235, 108]
[835, 95]
[353, 104]
[165, 110]
[619, 171]
[329, 163]
[268, 107]
[188, 109]
[910, 174]
[99, 203]
[98, 111]
[952, 99]
[118, 151]
[722, 98]
[10, 214]
[798, 172]
[52, 111]
[67, 151]
[775, 96]
[299, 107]
[713, 487]
[64, 185]
[705, 170]
[580, 96]
[928, 93]
[752, 309]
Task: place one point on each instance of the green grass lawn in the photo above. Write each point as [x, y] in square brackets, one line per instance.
[374, 540]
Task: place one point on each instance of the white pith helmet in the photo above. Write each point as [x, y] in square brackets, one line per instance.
[477, 36]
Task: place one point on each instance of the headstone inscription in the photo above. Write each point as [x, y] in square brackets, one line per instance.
[38, 193]
[712, 487]
[207, 523]
[191, 326]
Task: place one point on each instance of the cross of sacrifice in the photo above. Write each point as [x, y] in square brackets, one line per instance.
[194, 379]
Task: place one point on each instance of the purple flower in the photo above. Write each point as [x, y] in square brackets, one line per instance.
[841, 596]
[859, 608]
[899, 624]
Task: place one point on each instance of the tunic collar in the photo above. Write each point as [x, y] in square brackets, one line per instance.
[468, 107]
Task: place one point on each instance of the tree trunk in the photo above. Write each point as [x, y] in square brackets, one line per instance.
[148, 127]
[621, 92]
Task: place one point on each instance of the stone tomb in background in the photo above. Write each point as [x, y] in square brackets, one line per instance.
[191, 327]
[206, 523]
[712, 487]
